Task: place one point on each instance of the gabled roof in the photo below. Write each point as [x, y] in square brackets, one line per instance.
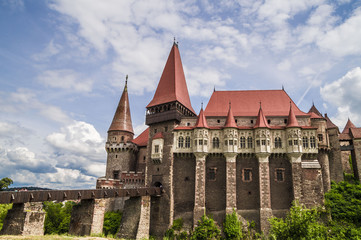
[172, 85]
[122, 120]
[230, 122]
[314, 110]
[246, 103]
[261, 120]
[356, 132]
[201, 120]
[158, 135]
[329, 123]
[315, 115]
[292, 120]
[349, 125]
[142, 139]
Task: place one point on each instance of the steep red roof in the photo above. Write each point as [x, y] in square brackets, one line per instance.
[315, 110]
[246, 103]
[172, 84]
[201, 120]
[349, 125]
[142, 139]
[292, 120]
[230, 122]
[315, 115]
[158, 135]
[329, 123]
[122, 120]
[261, 120]
[356, 132]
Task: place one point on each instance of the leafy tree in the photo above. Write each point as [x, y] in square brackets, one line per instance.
[3, 211]
[5, 183]
[232, 227]
[206, 229]
[300, 223]
[57, 217]
[111, 222]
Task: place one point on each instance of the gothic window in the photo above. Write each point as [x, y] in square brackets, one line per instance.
[320, 137]
[231, 142]
[247, 175]
[249, 142]
[278, 142]
[225, 142]
[200, 142]
[263, 142]
[279, 174]
[295, 142]
[312, 142]
[305, 142]
[215, 142]
[258, 143]
[156, 148]
[205, 142]
[212, 174]
[116, 174]
[289, 142]
[180, 142]
[242, 141]
[188, 142]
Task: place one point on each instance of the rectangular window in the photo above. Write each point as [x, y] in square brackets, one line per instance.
[205, 142]
[200, 142]
[225, 142]
[250, 142]
[212, 174]
[116, 174]
[305, 142]
[231, 142]
[195, 142]
[295, 142]
[279, 174]
[320, 137]
[156, 148]
[247, 174]
[258, 143]
[263, 142]
[290, 142]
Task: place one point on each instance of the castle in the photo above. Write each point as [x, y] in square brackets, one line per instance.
[251, 151]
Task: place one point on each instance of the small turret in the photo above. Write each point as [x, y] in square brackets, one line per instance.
[261, 121]
[292, 120]
[230, 122]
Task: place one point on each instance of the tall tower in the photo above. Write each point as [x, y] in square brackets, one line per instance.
[120, 149]
[170, 103]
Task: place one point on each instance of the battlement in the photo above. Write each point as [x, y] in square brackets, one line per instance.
[127, 180]
[119, 147]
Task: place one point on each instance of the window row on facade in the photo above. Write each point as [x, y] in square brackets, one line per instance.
[246, 174]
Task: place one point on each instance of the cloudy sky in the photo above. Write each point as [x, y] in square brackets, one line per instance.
[63, 65]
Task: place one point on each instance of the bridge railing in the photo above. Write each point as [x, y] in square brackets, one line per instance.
[62, 195]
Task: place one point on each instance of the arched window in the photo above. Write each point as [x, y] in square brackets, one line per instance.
[305, 142]
[312, 142]
[180, 142]
[215, 142]
[249, 142]
[188, 142]
[242, 141]
[278, 142]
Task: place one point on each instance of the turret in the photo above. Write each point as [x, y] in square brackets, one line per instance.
[201, 133]
[230, 132]
[262, 131]
[294, 143]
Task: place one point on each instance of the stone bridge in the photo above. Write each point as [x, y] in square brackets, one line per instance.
[27, 216]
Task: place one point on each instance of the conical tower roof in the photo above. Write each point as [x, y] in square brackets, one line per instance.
[329, 123]
[349, 125]
[201, 120]
[314, 110]
[230, 122]
[122, 120]
[292, 120]
[261, 120]
[172, 85]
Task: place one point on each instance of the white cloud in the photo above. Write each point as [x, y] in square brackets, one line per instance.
[344, 94]
[50, 50]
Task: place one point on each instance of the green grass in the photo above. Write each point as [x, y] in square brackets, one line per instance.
[52, 237]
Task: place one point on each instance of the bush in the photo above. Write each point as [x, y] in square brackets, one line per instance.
[232, 227]
[111, 222]
[57, 219]
[3, 211]
[174, 232]
[206, 229]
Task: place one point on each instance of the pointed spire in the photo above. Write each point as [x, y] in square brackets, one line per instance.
[314, 110]
[230, 122]
[201, 120]
[261, 119]
[349, 125]
[172, 85]
[122, 120]
[292, 120]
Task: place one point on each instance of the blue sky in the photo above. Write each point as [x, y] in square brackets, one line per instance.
[63, 65]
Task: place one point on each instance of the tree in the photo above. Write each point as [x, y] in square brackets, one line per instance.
[5, 183]
[232, 227]
[111, 222]
[206, 229]
[57, 219]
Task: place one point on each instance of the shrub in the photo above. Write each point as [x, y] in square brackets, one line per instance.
[232, 227]
[206, 229]
[57, 219]
[174, 232]
[3, 211]
[112, 222]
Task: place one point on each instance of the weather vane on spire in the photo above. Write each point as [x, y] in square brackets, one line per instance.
[174, 42]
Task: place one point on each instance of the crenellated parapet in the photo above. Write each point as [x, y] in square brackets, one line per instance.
[111, 147]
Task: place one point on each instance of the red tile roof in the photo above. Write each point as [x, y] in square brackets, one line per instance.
[292, 120]
[172, 84]
[122, 120]
[349, 125]
[246, 103]
[261, 120]
[314, 115]
[356, 132]
[201, 120]
[315, 110]
[230, 122]
[329, 123]
[345, 136]
[142, 139]
[158, 135]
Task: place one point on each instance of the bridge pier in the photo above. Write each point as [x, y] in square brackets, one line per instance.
[24, 219]
[136, 218]
[88, 217]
